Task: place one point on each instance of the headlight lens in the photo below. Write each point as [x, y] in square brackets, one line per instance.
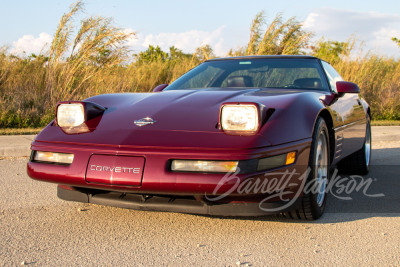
[239, 118]
[70, 115]
[204, 166]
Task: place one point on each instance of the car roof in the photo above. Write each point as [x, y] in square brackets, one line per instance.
[265, 56]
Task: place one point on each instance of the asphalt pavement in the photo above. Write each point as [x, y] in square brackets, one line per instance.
[15, 145]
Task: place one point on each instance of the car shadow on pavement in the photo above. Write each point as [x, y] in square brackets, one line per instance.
[355, 197]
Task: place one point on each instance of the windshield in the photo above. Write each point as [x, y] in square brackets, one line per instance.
[254, 73]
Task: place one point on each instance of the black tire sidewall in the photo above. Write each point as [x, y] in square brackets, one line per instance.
[317, 210]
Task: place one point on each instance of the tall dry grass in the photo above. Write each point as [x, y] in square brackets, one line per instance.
[379, 80]
[280, 37]
[377, 76]
[92, 58]
[74, 61]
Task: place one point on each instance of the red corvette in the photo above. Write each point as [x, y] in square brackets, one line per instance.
[234, 136]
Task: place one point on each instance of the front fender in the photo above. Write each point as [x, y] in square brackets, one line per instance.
[293, 120]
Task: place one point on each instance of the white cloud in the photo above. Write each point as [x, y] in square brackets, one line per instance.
[133, 40]
[186, 41]
[373, 28]
[28, 44]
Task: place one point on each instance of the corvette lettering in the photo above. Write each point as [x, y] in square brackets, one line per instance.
[114, 169]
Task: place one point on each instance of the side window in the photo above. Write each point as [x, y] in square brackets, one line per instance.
[332, 74]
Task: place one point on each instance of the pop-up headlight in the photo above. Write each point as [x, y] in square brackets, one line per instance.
[76, 113]
[240, 118]
[70, 115]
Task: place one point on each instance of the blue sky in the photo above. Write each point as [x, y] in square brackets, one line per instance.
[224, 24]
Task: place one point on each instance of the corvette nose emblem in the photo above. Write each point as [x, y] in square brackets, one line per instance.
[144, 121]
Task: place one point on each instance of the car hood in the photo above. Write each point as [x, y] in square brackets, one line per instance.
[183, 118]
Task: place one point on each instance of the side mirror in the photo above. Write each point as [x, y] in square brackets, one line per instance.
[160, 87]
[347, 87]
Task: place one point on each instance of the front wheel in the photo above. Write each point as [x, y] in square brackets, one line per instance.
[314, 198]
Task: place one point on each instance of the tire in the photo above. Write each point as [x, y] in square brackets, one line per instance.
[359, 162]
[314, 201]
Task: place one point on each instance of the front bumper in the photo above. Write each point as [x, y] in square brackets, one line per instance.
[241, 191]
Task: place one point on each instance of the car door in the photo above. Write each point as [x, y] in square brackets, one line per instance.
[350, 117]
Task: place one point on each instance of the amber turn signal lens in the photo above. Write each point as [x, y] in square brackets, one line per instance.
[290, 158]
[276, 161]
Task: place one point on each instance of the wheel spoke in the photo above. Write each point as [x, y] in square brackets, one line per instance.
[367, 145]
[321, 166]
